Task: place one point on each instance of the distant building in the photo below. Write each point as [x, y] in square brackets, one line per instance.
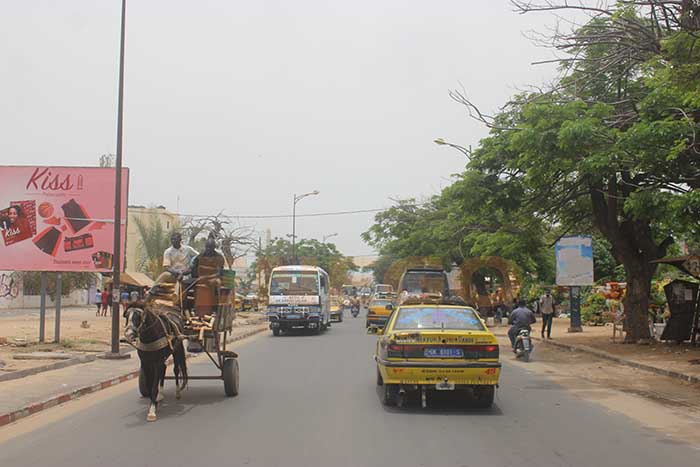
[364, 261]
[169, 220]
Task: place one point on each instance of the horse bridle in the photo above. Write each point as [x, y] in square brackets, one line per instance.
[137, 329]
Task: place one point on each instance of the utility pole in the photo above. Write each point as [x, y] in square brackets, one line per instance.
[116, 259]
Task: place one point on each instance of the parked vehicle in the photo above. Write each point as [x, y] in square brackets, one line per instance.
[299, 299]
[523, 345]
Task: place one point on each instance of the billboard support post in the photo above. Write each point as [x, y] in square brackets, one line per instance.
[57, 316]
[575, 309]
[116, 279]
[42, 308]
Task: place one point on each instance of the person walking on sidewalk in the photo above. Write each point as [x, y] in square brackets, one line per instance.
[104, 300]
[98, 301]
[547, 310]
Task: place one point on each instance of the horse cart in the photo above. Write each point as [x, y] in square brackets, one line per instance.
[204, 311]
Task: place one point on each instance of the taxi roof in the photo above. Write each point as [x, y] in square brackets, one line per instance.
[436, 305]
[298, 268]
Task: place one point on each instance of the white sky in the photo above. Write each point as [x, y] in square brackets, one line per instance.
[235, 106]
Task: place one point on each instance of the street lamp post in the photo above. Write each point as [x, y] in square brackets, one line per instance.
[294, 221]
[466, 151]
[326, 237]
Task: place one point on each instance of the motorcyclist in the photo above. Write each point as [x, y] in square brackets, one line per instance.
[520, 318]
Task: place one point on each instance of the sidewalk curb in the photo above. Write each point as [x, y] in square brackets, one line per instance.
[51, 366]
[10, 417]
[630, 363]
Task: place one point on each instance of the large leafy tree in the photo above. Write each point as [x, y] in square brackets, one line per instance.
[613, 144]
[478, 215]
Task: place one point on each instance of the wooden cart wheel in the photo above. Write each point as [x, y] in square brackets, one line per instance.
[143, 384]
[230, 371]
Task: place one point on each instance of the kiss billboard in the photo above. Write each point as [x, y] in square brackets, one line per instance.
[59, 218]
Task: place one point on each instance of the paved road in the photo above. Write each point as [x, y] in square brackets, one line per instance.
[312, 401]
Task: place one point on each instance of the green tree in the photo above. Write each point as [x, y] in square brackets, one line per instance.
[613, 144]
[154, 240]
[310, 252]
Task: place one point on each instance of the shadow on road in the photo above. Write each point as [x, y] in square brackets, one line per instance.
[440, 403]
[192, 397]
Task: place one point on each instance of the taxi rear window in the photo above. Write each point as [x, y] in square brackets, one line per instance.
[380, 303]
[438, 318]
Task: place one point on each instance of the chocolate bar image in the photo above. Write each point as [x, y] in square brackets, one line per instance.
[48, 241]
[80, 242]
[75, 215]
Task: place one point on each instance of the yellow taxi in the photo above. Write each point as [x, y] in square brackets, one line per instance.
[436, 347]
[378, 312]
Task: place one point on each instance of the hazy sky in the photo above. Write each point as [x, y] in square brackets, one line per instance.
[235, 106]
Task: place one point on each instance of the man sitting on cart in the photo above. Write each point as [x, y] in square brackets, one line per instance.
[207, 266]
[176, 260]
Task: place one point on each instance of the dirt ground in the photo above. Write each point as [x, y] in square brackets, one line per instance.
[19, 333]
[672, 407]
[683, 358]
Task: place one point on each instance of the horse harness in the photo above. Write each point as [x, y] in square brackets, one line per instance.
[172, 334]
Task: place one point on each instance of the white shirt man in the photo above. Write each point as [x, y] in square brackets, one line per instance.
[178, 259]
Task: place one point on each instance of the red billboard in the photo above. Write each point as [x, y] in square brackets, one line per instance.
[59, 218]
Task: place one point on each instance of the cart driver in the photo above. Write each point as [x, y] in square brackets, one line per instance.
[176, 260]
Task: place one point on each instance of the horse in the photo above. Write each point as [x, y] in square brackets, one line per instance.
[159, 336]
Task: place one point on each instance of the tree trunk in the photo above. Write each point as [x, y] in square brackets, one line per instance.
[634, 247]
[636, 301]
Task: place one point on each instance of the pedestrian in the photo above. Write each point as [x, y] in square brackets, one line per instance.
[104, 300]
[109, 302]
[98, 301]
[134, 296]
[547, 308]
[124, 299]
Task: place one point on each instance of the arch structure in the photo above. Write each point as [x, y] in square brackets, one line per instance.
[508, 276]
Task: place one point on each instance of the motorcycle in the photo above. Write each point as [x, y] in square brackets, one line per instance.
[355, 309]
[523, 345]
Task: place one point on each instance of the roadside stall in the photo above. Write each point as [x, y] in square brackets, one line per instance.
[683, 300]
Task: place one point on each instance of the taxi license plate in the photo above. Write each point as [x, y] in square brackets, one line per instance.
[293, 316]
[443, 353]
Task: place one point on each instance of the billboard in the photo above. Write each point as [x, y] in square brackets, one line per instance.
[574, 259]
[59, 218]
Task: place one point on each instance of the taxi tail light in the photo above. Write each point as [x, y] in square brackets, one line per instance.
[485, 351]
[395, 350]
